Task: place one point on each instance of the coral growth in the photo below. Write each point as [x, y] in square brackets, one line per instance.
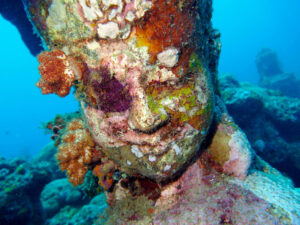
[106, 92]
[158, 31]
[75, 151]
[148, 97]
[58, 72]
[104, 172]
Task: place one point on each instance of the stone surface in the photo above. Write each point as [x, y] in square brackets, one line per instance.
[20, 186]
[47, 157]
[58, 194]
[270, 120]
[87, 214]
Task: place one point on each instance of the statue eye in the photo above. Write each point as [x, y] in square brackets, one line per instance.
[107, 93]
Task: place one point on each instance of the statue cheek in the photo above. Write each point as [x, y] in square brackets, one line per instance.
[182, 105]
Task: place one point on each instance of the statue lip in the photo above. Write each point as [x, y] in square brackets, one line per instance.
[154, 129]
[140, 138]
[159, 142]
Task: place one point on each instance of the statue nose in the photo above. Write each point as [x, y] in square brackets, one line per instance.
[142, 118]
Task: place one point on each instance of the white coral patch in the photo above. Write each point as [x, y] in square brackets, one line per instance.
[167, 167]
[167, 75]
[136, 151]
[94, 45]
[168, 57]
[112, 14]
[161, 75]
[91, 12]
[142, 6]
[124, 33]
[182, 109]
[130, 16]
[109, 3]
[69, 73]
[108, 30]
[128, 163]
[152, 158]
[167, 102]
[57, 15]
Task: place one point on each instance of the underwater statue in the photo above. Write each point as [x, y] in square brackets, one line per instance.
[152, 128]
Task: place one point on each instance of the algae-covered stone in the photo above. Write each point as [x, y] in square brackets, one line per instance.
[270, 120]
[90, 213]
[21, 183]
[58, 194]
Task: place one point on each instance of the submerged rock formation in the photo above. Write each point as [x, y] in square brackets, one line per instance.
[270, 120]
[272, 75]
[21, 183]
[153, 128]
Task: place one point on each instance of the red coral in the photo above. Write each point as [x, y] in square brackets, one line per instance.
[104, 172]
[58, 72]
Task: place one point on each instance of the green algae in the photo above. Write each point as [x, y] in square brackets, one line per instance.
[184, 95]
[10, 188]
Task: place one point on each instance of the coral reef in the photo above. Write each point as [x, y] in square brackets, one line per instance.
[86, 214]
[21, 183]
[58, 194]
[272, 123]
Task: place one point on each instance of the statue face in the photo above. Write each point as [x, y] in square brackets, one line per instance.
[146, 93]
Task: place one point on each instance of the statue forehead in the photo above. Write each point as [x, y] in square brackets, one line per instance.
[75, 20]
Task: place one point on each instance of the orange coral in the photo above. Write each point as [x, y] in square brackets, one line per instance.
[75, 151]
[158, 31]
[104, 172]
[58, 72]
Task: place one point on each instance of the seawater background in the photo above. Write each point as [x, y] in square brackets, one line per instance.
[246, 26]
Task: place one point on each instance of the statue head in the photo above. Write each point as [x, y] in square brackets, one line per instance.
[146, 83]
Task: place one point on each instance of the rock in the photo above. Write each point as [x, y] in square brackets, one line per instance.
[267, 63]
[87, 214]
[20, 186]
[58, 194]
[63, 216]
[47, 158]
[273, 77]
[269, 117]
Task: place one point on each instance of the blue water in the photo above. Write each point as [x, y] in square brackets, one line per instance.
[23, 107]
[246, 27]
